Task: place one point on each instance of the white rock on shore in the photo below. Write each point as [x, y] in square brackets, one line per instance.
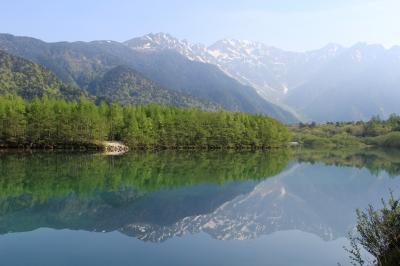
[114, 147]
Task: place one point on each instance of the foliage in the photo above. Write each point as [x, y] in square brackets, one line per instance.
[29, 80]
[378, 233]
[391, 139]
[52, 122]
[375, 132]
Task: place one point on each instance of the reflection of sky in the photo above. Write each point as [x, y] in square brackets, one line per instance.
[289, 24]
[66, 247]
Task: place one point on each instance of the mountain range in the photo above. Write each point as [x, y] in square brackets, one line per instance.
[270, 70]
[85, 63]
[334, 83]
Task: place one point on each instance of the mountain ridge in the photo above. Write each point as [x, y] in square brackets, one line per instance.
[83, 62]
[333, 83]
[250, 62]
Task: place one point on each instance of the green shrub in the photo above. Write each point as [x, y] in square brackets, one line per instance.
[391, 140]
[378, 233]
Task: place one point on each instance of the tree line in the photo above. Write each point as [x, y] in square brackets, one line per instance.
[374, 132]
[52, 122]
[375, 126]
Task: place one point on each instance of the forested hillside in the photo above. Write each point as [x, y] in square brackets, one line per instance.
[120, 84]
[29, 80]
[49, 122]
[127, 86]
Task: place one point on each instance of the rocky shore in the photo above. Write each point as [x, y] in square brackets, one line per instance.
[114, 147]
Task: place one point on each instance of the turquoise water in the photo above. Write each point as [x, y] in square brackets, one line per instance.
[186, 208]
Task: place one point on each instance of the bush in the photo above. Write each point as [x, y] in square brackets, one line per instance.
[378, 233]
[310, 141]
[391, 140]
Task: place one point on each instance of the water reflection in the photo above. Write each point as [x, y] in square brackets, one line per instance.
[98, 193]
[155, 197]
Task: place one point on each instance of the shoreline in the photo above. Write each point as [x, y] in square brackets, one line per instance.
[124, 149]
[108, 147]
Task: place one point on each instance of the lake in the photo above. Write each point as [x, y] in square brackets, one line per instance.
[187, 208]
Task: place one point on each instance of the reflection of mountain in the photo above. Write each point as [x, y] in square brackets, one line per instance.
[315, 198]
[110, 211]
[312, 198]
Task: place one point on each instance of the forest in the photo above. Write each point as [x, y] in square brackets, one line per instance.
[57, 123]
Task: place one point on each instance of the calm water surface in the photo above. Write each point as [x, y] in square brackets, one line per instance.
[185, 208]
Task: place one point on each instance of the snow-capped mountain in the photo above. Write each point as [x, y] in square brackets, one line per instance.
[271, 71]
[333, 83]
[161, 41]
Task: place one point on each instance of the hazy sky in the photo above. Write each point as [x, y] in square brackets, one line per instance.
[288, 24]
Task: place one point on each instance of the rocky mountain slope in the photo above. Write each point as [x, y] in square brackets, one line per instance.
[270, 70]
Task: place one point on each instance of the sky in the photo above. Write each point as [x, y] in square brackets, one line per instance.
[296, 25]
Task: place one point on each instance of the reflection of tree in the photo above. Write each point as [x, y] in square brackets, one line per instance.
[375, 160]
[91, 191]
[43, 176]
